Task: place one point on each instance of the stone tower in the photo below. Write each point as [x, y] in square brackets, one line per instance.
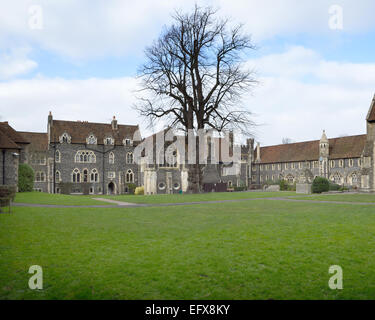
[323, 155]
[368, 154]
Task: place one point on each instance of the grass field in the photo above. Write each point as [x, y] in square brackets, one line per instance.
[341, 197]
[59, 199]
[182, 198]
[246, 250]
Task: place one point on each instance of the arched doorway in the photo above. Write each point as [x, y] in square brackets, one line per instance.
[111, 188]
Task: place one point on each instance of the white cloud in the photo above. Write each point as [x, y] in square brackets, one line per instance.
[15, 62]
[26, 103]
[91, 28]
[300, 94]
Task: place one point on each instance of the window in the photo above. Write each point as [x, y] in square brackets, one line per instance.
[57, 156]
[341, 163]
[230, 184]
[38, 158]
[293, 166]
[254, 168]
[94, 177]
[367, 162]
[261, 167]
[279, 166]
[261, 178]
[351, 162]
[161, 185]
[91, 190]
[57, 176]
[111, 158]
[85, 157]
[127, 142]
[286, 166]
[40, 176]
[273, 167]
[253, 178]
[308, 165]
[336, 178]
[332, 163]
[129, 158]
[37, 189]
[85, 175]
[91, 139]
[316, 164]
[176, 186]
[65, 138]
[290, 179]
[109, 141]
[76, 176]
[129, 176]
[111, 174]
[300, 165]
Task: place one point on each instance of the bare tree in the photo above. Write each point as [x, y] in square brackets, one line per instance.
[286, 140]
[194, 77]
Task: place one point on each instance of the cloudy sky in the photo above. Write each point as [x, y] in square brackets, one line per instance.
[79, 59]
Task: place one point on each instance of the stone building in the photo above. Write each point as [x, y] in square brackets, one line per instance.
[78, 157]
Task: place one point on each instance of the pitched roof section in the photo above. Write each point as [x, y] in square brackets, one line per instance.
[38, 141]
[371, 113]
[6, 142]
[79, 131]
[339, 148]
[12, 134]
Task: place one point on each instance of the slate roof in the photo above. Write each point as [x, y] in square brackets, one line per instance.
[38, 140]
[6, 142]
[79, 131]
[339, 148]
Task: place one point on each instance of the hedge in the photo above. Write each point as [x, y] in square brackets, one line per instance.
[320, 185]
[25, 178]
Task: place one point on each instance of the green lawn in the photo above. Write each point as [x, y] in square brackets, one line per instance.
[59, 199]
[182, 198]
[245, 250]
[342, 197]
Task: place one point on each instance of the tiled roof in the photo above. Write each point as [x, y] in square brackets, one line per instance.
[339, 148]
[38, 141]
[12, 134]
[79, 131]
[6, 142]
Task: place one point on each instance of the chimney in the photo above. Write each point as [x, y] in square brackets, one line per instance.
[49, 126]
[114, 123]
[258, 152]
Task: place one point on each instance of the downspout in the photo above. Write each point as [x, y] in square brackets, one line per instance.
[103, 176]
[3, 166]
[54, 168]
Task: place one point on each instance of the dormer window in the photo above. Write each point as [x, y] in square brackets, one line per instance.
[65, 138]
[127, 142]
[109, 141]
[91, 139]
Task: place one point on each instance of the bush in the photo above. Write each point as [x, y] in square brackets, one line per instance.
[283, 185]
[292, 187]
[334, 187]
[25, 178]
[320, 185]
[240, 188]
[139, 191]
[131, 188]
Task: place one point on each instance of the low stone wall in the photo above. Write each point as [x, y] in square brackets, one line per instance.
[303, 188]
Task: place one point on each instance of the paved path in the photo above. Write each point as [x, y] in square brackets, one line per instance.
[120, 204]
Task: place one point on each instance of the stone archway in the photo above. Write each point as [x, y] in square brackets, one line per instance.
[111, 188]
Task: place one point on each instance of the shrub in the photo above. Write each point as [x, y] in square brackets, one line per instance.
[131, 188]
[25, 178]
[320, 185]
[292, 187]
[283, 185]
[7, 194]
[240, 188]
[139, 191]
[334, 187]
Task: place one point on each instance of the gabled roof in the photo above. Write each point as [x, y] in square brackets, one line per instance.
[339, 148]
[38, 140]
[79, 131]
[371, 113]
[6, 142]
[12, 134]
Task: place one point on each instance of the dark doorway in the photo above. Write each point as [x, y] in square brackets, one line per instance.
[111, 188]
